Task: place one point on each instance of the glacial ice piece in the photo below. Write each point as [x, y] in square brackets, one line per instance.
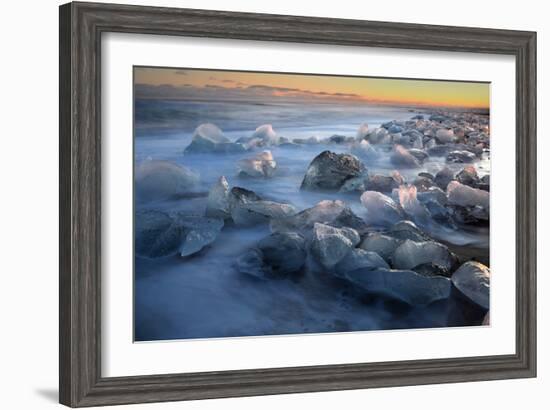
[411, 254]
[419, 154]
[461, 157]
[258, 212]
[377, 136]
[266, 134]
[306, 141]
[381, 209]
[472, 279]
[206, 138]
[443, 177]
[438, 117]
[410, 204]
[432, 194]
[463, 195]
[200, 233]
[157, 234]
[360, 258]
[337, 139]
[154, 234]
[394, 129]
[407, 230]
[405, 285]
[413, 138]
[283, 252]
[325, 212]
[365, 150]
[329, 171]
[261, 166]
[157, 180]
[362, 131]
[348, 219]
[356, 184]
[403, 159]
[423, 183]
[251, 263]
[217, 204]
[445, 136]
[249, 209]
[468, 176]
[434, 199]
[330, 245]
[383, 245]
[383, 183]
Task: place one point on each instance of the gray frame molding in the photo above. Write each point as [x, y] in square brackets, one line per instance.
[81, 26]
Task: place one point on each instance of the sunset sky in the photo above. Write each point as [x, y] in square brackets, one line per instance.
[240, 85]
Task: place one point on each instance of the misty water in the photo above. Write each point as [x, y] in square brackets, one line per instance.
[203, 295]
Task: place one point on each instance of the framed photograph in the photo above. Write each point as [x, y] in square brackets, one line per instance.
[262, 204]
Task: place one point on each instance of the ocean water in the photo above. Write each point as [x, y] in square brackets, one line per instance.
[204, 296]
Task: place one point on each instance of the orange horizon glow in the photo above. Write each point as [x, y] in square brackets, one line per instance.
[363, 89]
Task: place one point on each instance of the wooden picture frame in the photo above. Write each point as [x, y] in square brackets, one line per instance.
[81, 27]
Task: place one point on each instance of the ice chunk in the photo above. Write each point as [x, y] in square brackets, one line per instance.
[253, 213]
[461, 157]
[356, 184]
[330, 245]
[443, 177]
[200, 233]
[414, 208]
[325, 212]
[411, 254]
[383, 183]
[383, 245]
[407, 230]
[156, 180]
[329, 171]
[381, 209]
[362, 131]
[153, 234]
[468, 176]
[251, 263]
[402, 158]
[463, 195]
[267, 134]
[158, 234]
[360, 258]
[261, 166]
[206, 139]
[365, 150]
[472, 279]
[249, 209]
[283, 252]
[445, 135]
[405, 285]
[217, 205]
